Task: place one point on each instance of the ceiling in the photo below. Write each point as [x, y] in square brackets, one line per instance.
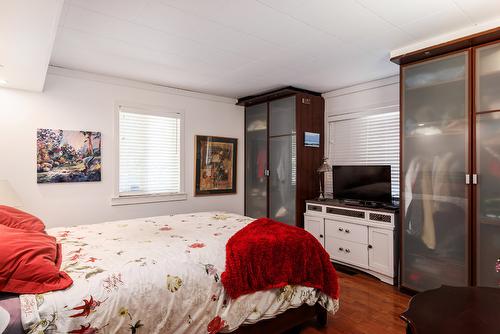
[27, 32]
[235, 48]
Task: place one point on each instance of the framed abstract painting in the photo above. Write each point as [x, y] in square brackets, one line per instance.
[68, 156]
[215, 171]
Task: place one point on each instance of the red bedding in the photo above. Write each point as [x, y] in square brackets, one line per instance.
[15, 218]
[267, 254]
[29, 262]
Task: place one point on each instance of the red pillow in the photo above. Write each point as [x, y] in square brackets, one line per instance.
[29, 262]
[15, 218]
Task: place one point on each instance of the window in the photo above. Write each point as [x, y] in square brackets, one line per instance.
[369, 138]
[149, 155]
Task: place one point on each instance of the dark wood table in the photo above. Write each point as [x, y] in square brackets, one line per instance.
[454, 310]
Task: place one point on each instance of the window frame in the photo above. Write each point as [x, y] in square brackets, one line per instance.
[142, 198]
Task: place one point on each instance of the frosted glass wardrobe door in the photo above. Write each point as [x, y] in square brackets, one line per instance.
[256, 161]
[283, 160]
[488, 199]
[488, 78]
[434, 163]
[282, 186]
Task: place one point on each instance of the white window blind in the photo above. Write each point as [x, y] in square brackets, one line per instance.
[366, 140]
[149, 152]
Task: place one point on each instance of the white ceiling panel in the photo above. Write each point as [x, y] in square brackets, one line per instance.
[437, 23]
[403, 12]
[338, 18]
[104, 46]
[113, 34]
[27, 32]
[356, 71]
[127, 9]
[201, 29]
[124, 65]
[239, 47]
[481, 10]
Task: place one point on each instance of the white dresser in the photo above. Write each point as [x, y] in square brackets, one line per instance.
[358, 237]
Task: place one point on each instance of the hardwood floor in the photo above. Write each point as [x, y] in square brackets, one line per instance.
[367, 306]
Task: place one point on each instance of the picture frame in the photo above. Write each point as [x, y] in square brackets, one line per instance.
[68, 156]
[215, 165]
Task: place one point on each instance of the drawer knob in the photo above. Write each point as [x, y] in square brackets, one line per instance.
[347, 250]
[370, 246]
[341, 229]
[321, 235]
[347, 231]
[341, 249]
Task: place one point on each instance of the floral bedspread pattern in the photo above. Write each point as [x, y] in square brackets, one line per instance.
[155, 275]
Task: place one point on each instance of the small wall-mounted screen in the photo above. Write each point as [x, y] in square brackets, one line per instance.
[311, 139]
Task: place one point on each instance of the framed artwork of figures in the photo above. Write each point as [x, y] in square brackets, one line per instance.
[215, 171]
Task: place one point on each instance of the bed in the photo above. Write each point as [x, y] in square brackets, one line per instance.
[160, 275]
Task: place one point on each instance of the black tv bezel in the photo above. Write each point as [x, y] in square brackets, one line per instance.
[359, 200]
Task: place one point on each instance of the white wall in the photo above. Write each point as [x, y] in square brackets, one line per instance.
[82, 101]
[373, 94]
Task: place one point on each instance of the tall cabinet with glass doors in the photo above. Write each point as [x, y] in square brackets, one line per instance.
[280, 169]
[450, 165]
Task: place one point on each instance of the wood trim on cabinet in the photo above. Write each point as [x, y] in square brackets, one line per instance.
[245, 161]
[273, 95]
[448, 47]
[401, 175]
[471, 154]
[310, 118]
[487, 111]
[268, 162]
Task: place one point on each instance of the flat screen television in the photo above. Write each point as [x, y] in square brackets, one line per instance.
[362, 183]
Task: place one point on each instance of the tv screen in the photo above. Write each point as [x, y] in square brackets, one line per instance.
[363, 183]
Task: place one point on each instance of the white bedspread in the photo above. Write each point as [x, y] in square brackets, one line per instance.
[155, 275]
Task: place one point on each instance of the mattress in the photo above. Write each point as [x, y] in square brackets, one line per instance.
[154, 275]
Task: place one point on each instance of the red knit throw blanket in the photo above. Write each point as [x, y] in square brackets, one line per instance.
[267, 254]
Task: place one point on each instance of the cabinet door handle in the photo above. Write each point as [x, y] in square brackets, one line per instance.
[347, 231]
[347, 250]
[321, 235]
[341, 229]
[341, 249]
[467, 178]
[474, 178]
[370, 246]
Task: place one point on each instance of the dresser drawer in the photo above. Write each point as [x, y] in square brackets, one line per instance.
[314, 208]
[347, 251]
[346, 231]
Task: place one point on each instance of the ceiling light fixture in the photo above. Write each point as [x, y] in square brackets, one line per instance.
[3, 82]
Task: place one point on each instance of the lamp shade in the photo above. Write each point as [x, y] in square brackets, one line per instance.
[8, 195]
[325, 167]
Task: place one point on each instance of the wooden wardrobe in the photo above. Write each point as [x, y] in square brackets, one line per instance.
[450, 164]
[280, 170]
